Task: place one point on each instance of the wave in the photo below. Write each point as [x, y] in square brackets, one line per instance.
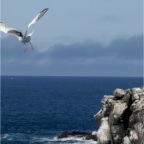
[15, 137]
[39, 139]
[74, 140]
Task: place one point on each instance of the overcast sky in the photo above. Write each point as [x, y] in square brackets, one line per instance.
[75, 38]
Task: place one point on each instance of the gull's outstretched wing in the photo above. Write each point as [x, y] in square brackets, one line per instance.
[36, 18]
[9, 30]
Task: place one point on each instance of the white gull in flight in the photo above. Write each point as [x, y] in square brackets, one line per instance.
[23, 38]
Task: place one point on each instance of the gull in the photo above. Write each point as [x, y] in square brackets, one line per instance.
[23, 38]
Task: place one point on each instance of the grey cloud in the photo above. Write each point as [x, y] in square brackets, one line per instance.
[120, 57]
[128, 49]
[131, 48]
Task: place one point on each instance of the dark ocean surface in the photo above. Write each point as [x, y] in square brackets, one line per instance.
[34, 110]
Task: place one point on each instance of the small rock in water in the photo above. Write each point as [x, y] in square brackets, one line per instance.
[85, 135]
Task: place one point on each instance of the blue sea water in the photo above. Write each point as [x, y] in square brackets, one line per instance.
[34, 110]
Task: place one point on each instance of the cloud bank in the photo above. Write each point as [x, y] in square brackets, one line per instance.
[122, 57]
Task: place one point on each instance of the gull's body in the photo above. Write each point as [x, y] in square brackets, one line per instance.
[23, 38]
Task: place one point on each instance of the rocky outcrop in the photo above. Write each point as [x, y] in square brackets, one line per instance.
[121, 118]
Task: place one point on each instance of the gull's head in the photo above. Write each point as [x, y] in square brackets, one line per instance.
[19, 34]
[20, 37]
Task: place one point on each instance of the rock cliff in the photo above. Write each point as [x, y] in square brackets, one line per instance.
[121, 118]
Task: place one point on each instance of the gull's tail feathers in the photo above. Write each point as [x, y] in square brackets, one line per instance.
[30, 34]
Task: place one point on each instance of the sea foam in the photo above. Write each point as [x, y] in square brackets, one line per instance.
[39, 139]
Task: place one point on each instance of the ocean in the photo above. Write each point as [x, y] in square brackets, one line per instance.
[34, 109]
